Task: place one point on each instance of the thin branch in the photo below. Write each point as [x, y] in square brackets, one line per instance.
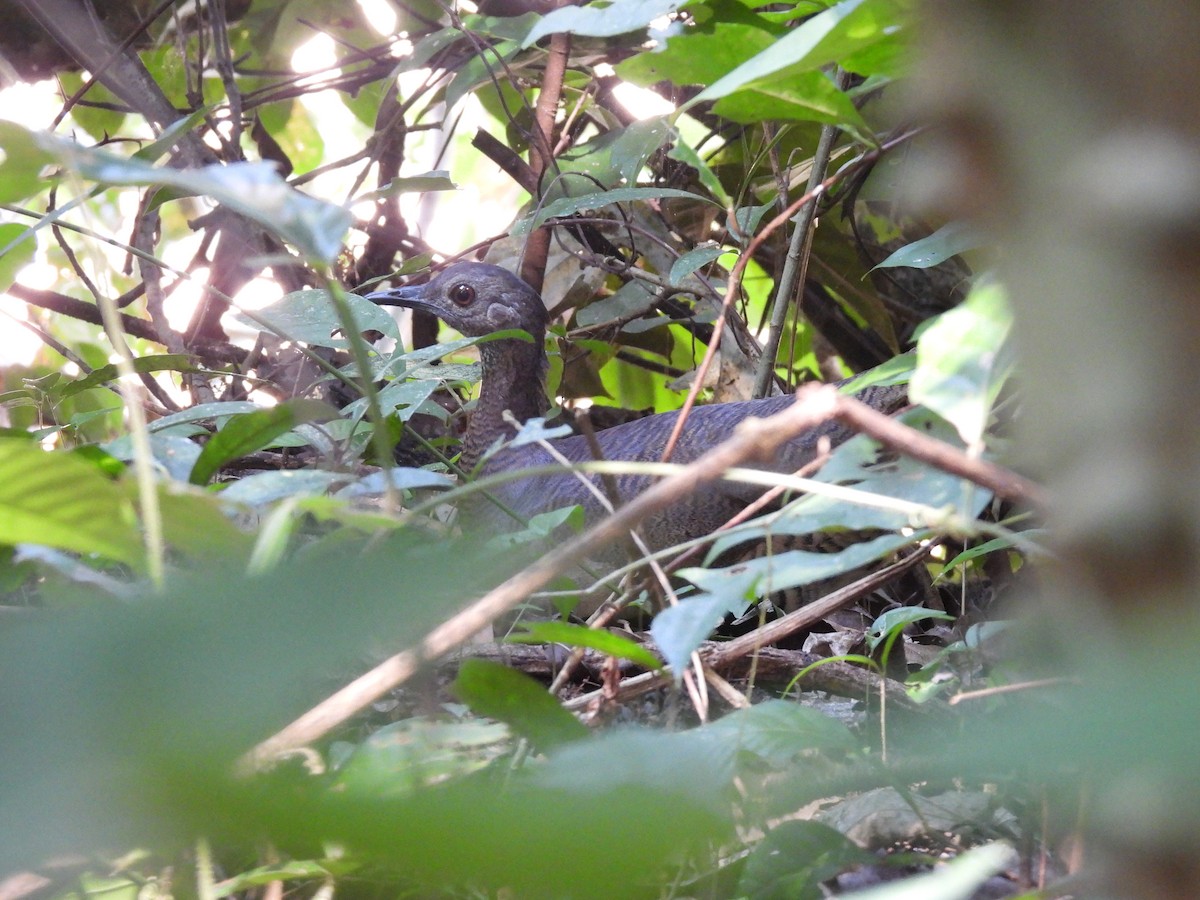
[795, 267]
[898, 436]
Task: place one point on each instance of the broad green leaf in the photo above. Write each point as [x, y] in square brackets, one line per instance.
[780, 731]
[253, 189]
[1029, 538]
[204, 411]
[401, 397]
[480, 69]
[803, 97]
[262, 488]
[949, 240]
[963, 359]
[796, 858]
[290, 125]
[631, 300]
[842, 29]
[857, 463]
[402, 478]
[693, 260]
[311, 317]
[101, 115]
[524, 705]
[610, 160]
[252, 431]
[61, 501]
[17, 257]
[618, 17]
[175, 453]
[438, 180]
[895, 619]
[401, 758]
[306, 870]
[685, 153]
[123, 721]
[678, 630]
[792, 568]
[580, 636]
[701, 55]
[166, 362]
[22, 159]
[197, 526]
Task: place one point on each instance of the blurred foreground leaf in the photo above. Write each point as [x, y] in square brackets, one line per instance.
[58, 500]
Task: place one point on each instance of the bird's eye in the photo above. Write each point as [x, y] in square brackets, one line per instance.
[462, 294]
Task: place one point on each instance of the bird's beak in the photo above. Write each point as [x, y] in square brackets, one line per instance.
[411, 296]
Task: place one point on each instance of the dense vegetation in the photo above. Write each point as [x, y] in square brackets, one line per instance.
[224, 476]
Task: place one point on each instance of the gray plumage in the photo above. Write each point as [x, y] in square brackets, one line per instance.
[479, 299]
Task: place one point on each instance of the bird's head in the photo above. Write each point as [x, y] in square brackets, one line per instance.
[473, 298]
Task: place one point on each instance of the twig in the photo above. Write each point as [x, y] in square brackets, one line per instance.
[898, 436]
[795, 268]
[541, 153]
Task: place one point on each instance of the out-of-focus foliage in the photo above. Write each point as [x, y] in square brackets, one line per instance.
[187, 580]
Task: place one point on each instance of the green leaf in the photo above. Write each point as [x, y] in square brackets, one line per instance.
[514, 698]
[22, 159]
[291, 126]
[617, 17]
[60, 501]
[612, 159]
[803, 97]
[311, 317]
[631, 300]
[197, 526]
[175, 453]
[963, 359]
[203, 411]
[856, 463]
[293, 870]
[897, 619]
[166, 362]
[402, 478]
[701, 55]
[1000, 543]
[693, 260]
[414, 184]
[580, 636]
[678, 630]
[949, 240]
[793, 568]
[479, 69]
[401, 758]
[685, 153]
[252, 431]
[795, 858]
[126, 719]
[15, 253]
[842, 29]
[100, 116]
[779, 731]
[262, 488]
[253, 189]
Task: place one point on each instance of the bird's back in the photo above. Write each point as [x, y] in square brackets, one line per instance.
[643, 440]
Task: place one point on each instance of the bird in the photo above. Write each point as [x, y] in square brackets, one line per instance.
[479, 299]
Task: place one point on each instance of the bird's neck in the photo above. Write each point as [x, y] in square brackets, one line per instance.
[513, 380]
